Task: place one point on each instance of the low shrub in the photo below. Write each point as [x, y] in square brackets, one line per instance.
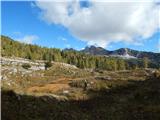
[48, 64]
[77, 83]
[26, 66]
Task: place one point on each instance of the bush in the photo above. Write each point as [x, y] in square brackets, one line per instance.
[77, 83]
[157, 74]
[26, 66]
[48, 64]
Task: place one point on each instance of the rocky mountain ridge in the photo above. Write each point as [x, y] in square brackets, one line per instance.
[122, 52]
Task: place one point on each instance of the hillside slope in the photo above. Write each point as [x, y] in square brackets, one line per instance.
[95, 60]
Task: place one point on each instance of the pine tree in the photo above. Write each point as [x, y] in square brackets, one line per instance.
[145, 62]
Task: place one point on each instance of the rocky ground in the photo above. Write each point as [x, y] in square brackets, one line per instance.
[61, 79]
[36, 79]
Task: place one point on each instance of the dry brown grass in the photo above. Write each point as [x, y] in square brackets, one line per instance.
[48, 88]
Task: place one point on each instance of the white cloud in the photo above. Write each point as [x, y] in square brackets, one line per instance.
[104, 22]
[63, 39]
[68, 45]
[17, 33]
[28, 39]
[33, 5]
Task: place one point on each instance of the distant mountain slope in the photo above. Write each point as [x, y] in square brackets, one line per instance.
[122, 52]
[69, 50]
[95, 50]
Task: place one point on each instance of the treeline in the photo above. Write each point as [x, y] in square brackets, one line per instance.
[13, 48]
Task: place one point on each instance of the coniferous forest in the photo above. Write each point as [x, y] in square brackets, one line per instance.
[81, 60]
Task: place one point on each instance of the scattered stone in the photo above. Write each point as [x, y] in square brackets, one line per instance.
[65, 92]
[9, 84]
[14, 70]
[103, 78]
[3, 77]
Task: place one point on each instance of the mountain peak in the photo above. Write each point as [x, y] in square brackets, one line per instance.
[122, 52]
[95, 50]
[69, 49]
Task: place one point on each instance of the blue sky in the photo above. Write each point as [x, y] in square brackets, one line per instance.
[24, 20]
